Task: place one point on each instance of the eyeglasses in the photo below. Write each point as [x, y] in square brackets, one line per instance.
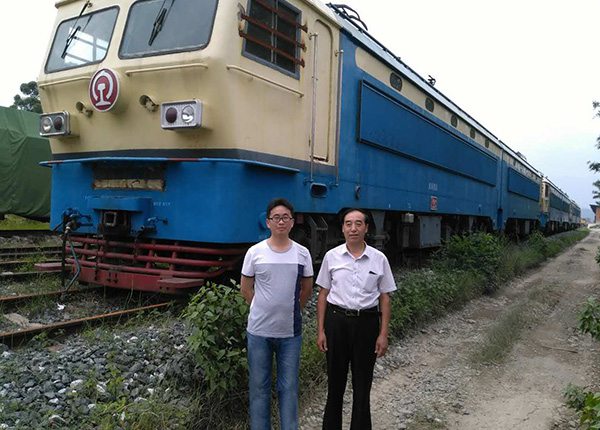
[277, 218]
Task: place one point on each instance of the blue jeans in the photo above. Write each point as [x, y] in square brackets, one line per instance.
[260, 363]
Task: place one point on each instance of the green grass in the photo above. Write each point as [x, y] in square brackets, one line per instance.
[15, 222]
[42, 282]
[507, 330]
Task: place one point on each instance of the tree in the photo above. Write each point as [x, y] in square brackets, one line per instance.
[31, 102]
[596, 192]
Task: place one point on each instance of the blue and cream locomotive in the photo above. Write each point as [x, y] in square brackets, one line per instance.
[173, 123]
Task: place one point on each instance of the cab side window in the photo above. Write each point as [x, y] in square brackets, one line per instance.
[272, 35]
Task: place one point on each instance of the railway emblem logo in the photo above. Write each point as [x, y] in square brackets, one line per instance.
[104, 90]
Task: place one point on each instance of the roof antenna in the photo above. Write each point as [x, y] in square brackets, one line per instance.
[348, 13]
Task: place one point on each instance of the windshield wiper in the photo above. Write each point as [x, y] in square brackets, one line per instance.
[69, 40]
[157, 26]
[75, 31]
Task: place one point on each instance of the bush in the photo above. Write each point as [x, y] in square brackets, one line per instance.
[217, 315]
[540, 244]
[575, 396]
[464, 268]
[587, 404]
[425, 294]
[478, 252]
[589, 318]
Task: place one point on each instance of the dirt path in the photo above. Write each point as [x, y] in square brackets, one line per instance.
[431, 381]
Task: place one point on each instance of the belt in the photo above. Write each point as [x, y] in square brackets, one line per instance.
[354, 312]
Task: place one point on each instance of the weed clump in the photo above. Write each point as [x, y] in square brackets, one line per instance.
[218, 316]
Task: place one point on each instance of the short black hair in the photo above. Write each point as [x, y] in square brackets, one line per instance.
[362, 211]
[279, 202]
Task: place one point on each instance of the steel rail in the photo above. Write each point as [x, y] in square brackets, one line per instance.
[12, 300]
[23, 251]
[11, 233]
[15, 337]
[17, 263]
[18, 275]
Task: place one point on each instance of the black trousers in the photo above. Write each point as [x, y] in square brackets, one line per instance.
[350, 343]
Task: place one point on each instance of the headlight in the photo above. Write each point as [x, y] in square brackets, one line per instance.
[46, 125]
[55, 124]
[181, 115]
[187, 114]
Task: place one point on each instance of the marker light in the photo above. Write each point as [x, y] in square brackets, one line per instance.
[171, 115]
[181, 115]
[58, 123]
[55, 124]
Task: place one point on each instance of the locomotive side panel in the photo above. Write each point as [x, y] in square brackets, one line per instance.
[521, 202]
[402, 158]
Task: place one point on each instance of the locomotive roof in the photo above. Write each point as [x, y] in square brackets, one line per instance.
[321, 7]
[361, 35]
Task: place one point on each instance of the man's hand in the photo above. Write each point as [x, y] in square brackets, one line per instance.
[322, 341]
[381, 346]
[321, 310]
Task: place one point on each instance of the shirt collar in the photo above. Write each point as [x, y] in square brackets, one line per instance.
[366, 252]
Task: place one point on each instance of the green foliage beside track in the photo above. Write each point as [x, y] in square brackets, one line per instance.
[465, 268]
[14, 222]
[218, 316]
[587, 402]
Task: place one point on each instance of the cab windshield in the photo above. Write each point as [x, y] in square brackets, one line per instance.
[157, 27]
[82, 40]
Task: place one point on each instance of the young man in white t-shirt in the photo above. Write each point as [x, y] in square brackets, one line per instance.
[277, 279]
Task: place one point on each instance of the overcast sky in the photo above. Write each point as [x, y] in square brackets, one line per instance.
[528, 70]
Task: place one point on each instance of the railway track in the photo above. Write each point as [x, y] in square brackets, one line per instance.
[36, 233]
[19, 336]
[16, 262]
[11, 252]
[21, 298]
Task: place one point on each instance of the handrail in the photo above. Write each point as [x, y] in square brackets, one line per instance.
[313, 115]
[262, 78]
[338, 114]
[63, 81]
[253, 163]
[127, 72]
[161, 68]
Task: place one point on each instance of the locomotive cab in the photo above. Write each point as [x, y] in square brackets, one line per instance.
[166, 119]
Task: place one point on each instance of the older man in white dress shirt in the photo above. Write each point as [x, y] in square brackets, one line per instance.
[353, 312]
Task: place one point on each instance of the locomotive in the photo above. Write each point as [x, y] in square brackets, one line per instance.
[173, 123]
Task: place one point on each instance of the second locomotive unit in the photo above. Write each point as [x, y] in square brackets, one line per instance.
[173, 123]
